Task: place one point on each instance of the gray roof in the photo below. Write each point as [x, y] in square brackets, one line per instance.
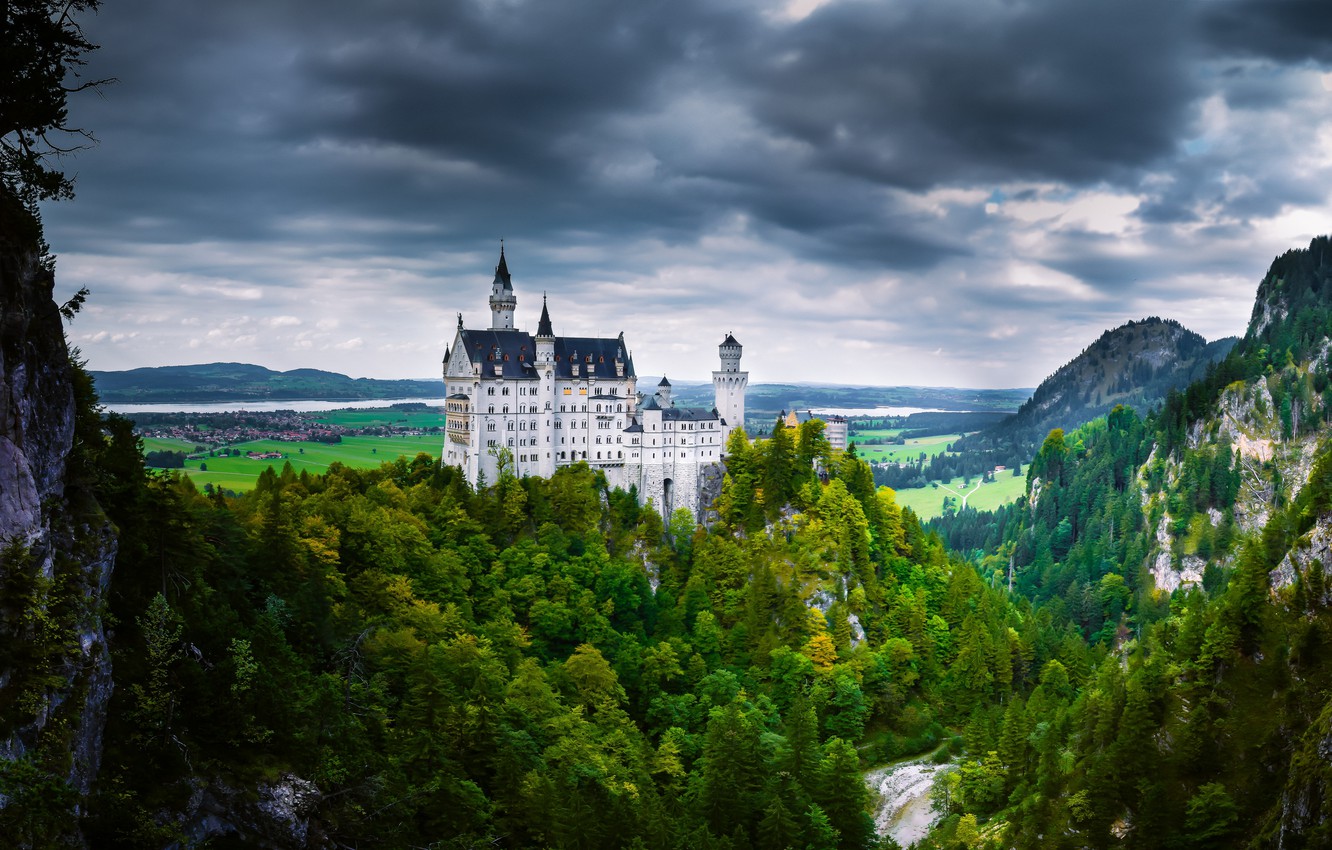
[730, 340]
[515, 351]
[688, 414]
[664, 382]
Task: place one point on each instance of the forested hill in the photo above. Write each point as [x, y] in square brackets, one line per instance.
[240, 382]
[1193, 549]
[1135, 365]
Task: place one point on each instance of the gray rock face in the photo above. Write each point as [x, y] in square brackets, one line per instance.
[278, 820]
[57, 548]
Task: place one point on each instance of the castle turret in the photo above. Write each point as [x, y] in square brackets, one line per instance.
[502, 300]
[729, 383]
[545, 335]
[545, 370]
[664, 393]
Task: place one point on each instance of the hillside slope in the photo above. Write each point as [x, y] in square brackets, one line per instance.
[209, 382]
[1193, 551]
[1135, 365]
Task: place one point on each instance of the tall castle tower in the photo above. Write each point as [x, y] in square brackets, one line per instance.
[502, 300]
[729, 384]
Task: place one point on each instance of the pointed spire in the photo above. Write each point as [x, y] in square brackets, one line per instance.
[502, 270]
[543, 326]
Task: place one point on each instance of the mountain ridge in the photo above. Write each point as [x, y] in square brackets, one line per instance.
[1135, 364]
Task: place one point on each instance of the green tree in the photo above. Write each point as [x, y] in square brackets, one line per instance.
[42, 47]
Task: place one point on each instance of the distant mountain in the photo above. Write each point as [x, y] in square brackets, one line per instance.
[1135, 365]
[208, 382]
[764, 401]
[246, 382]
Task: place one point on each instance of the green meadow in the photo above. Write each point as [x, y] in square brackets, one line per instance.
[913, 449]
[374, 417]
[241, 473]
[166, 444]
[927, 501]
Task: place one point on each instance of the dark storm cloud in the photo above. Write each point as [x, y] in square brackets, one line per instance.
[888, 154]
[1284, 30]
[916, 94]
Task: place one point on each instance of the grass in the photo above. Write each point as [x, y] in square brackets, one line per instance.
[927, 501]
[241, 473]
[373, 417]
[913, 449]
[167, 444]
[873, 433]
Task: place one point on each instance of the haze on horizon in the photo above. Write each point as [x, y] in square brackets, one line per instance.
[894, 193]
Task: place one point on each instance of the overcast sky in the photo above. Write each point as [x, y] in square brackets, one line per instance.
[937, 192]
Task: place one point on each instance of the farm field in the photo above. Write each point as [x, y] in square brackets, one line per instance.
[241, 473]
[166, 444]
[931, 446]
[927, 502]
[371, 417]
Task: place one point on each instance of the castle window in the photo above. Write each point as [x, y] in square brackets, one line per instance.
[506, 358]
[490, 390]
[601, 359]
[504, 391]
[520, 358]
[490, 356]
[557, 360]
[505, 409]
[492, 409]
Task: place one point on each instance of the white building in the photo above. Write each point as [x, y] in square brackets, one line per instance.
[541, 402]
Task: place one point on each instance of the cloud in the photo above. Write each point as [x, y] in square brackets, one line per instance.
[921, 177]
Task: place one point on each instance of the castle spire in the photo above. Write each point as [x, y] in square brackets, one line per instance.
[543, 326]
[502, 300]
[502, 270]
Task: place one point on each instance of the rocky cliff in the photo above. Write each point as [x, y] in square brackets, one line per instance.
[56, 554]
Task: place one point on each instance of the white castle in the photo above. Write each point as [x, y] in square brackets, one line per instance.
[541, 402]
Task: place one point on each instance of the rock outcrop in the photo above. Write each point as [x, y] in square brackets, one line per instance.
[56, 546]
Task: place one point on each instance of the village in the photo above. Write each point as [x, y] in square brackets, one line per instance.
[209, 433]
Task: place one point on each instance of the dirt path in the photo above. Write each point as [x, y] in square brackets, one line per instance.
[963, 496]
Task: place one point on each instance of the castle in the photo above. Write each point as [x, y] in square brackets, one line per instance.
[538, 402]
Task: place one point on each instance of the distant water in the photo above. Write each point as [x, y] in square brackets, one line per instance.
[882, 411]
[300, 406]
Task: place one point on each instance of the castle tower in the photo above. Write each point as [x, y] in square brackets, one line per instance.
[502, 300]
[545, 356]
[728, 385]
[664, 393]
